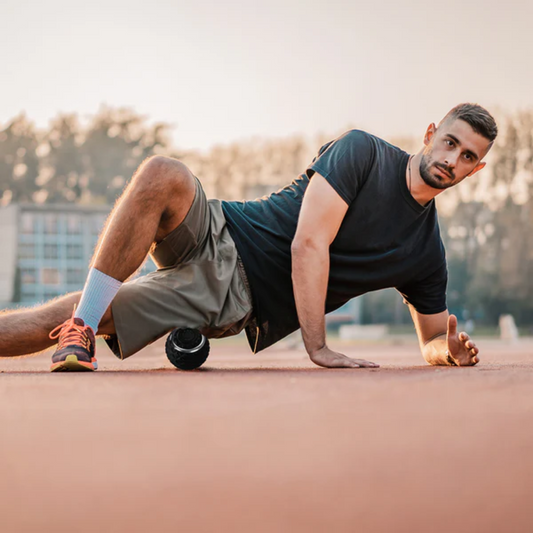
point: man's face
(453, 152)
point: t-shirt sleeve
(345, 163)
(427, 294)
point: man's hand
(461, 349)
(330, 359)
(439, 342)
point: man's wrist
(436, 336)
(314, 350)
(436, 353)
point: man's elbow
(296, 247)
(304, 245)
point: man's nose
(451, 160)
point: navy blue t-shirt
(386, 239)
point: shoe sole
(71, 364)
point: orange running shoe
(76, 346)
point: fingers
(329, 359)
(452, 325)
(468, 353)
(474, 360)
(365, 364)
(473, 350)
(358, 363)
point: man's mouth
(443, 172)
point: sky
(219, 72)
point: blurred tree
(115, 144)
(62, 169)
(19, 163)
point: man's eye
(448, 142)
(468, 157)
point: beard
(436, 181)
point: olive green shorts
(200, 283)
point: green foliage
(115, 144)
(19, 163)
(71, 162)
(63, 166)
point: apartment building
(46, 250)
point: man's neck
(418, 188)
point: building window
(73, 225)
(48, 295)
(26, 250)
(27, 223)
(75, 276)
(50, 224)
(51, 251)
(74, 251)
(50, 276)
(28, 275)
(28, 297)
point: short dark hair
(478, 117)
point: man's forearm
(435, 351)
(310, 270)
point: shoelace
(71, 333)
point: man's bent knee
(165, 175)
(171, 186)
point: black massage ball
(187, 348)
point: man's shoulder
(364, 138)
(355, 135)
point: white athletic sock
(98, 293)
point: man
(362, 217)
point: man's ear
(429, 133)
(477, 168)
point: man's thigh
(182, 243)
(204, 290)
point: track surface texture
(269, 443)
